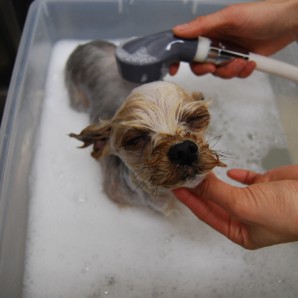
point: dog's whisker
(150, 168)
(215, 139)
(156, 193)
(227, 155)
(143, 184)
(138, 173)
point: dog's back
(93, 82)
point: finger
(219, 192)
(173, 68)
(231, 69)
(249, 177)
(207, 211)
(202, 25)
(202, 68)
(243, 176)
(289, 172)
(247, 70)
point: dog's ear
(98, 135)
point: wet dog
(149, 139)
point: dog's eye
(136, 140)
(198, 121)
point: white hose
(275, 67)
(205, 52)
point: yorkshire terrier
(149, 138)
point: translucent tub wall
(52, 21)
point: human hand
(261, 214)
(262, 27)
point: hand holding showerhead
(147, 59)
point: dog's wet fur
(149, 139)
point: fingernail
(237, 174)
(181, 27)
(252, 64)
(238, 65)
(212, 68)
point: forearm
(294, 4)
(281, 23)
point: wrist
(292, 12)
(287, 20)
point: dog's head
(158, 133)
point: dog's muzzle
(184, 154)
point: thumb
(201, 26)
(212, 189)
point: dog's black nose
(184, 154)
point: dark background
(12, 18)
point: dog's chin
(191, 183)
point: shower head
(147, 59)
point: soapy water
(82, 245)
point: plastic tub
(51, 21)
